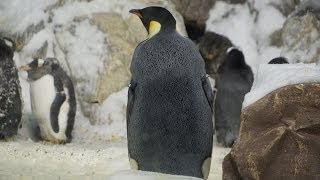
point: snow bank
(17, 15)
(270, 77)
(248, 30)
(111, 124)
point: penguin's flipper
(55, 110)
(207, 90)
(56, 105)
(131, 97)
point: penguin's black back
(234, 80)
(61, 80)
(170, 120)
(10, 93)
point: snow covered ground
(99, 150)
(249, 33)
(25, 159)
(280, 76)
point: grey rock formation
(195, 14)
(21, 39)
(311, 6)
(286, 7)
(106, 69)
(301, 38)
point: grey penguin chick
(233, 82)
(10, 91)
(169, 110)
(53, 99)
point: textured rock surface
(311, 6)
(301, 38)
(103, 39)
(195, 14)
(286, 7)
(213, 48)
(279, 136)
(122, 36)
(300, 35)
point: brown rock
(279, 137)
(195, 15)
(194, 10)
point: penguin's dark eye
(34, 64)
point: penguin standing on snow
(233, 82)
(53, 99)
(169, 112)
(10, 91)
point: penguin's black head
(234, 58)
(155, 19)
(40, 67)
(279, 60)
(7, 47)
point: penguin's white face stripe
(154, 28)
(40, 62)
(232, 48)
(8, 43)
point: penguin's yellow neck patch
(154, 28)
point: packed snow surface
(270, 77)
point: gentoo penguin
(10, 91)
(169, 112)
(234, 80)
(279, 60)
(53, 99)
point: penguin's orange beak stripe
(25, 68)
(136, 12)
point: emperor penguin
(10, 91)
(53, 100)
(234, 80)
(169, 110)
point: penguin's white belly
(43, 94)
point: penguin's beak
(25, 68)
(136, 12)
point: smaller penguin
(53, 99)
(279, 60)
(10, 91)
(213, 48)
(234, 80)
